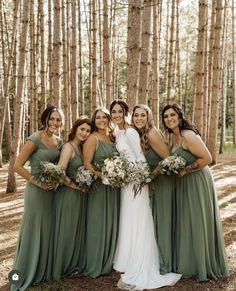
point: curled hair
(183, 124)
(47, 114)
(81, 120)
(110, 128)
(149, 125)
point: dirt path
(11, 206)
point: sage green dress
(34, 250)
(69, 225)
(102, 220)
(199, 250)
(161, 191)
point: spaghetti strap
(76, 152)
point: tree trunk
(234, 70)
(32, 81)
(177, 52)
(11, 182)
(81, 78)
(73, 65)
(5, 117)
(171, 54)
(50, 50)
(145, 44)
(106, 54)
(210, 64)
(133, 51)
(155, 66)
(42, 58)
(223, 81)
(215, 82)
(94, 55)
(67, 104)
(56, 54)
(198, 114)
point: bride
(136, 253)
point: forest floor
(11, 206)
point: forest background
(80, 54)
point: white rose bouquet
(51, 174)
(172, 165)
(84, 178)
(115, 171)
(140, 175)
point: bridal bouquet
(51, 174)
(84, 177)
(115, 170)
(140, 175)
(172, 165)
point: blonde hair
(149, 125)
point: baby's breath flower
(51, 173)
(84, 177)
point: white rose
(105, 181)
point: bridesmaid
(199, 250)
(160, 189)
(34, 255)
(103, 201)
(70, 206)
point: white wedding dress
(137, 254)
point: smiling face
(140, 118)
(54, 122)
(171, 119)
(101, 120)
(117, 114)
(83, 131)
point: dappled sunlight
(11, 208)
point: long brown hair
(183, 124)
(110, 128)
(148, 127)
(81, 120)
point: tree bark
(133, 50)
(11, 182)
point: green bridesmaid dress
(69, 225)
(34, 250)
(102, 220)
(161, 191)
(199, 250)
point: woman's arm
(157, 142)
(27, 150)
(134, 143)
(65, 157)
(89, 149)
(193, 142)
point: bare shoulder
(67, 147)
(155, 132)
(191, 139)
(188, 134)
(92, 139)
